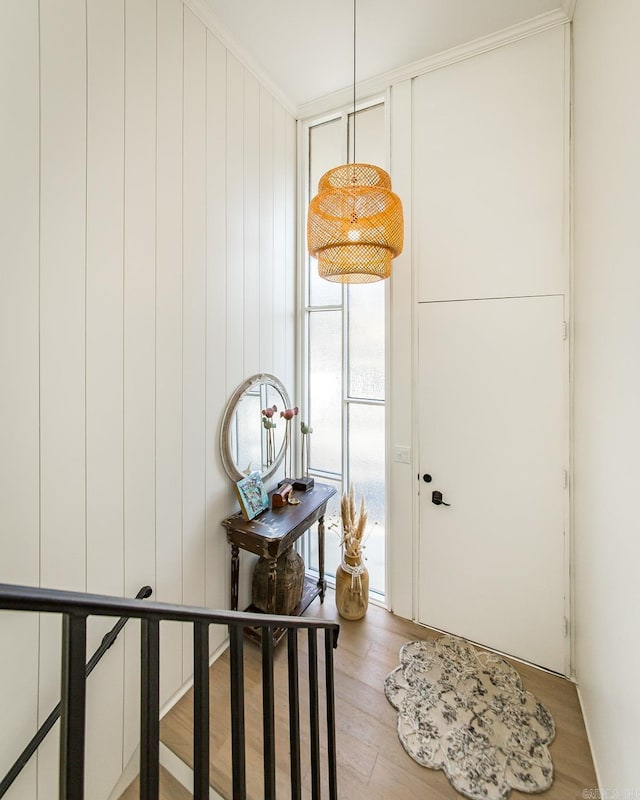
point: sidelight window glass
(344, 361)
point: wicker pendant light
(355, 225)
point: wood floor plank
(170, 788)
(372, 763)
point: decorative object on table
(269, 425)
(355, 223)
(466, 712)
(252, 495)
(280, 497)
(305, 482)
(288, 414)
(352, 577)
(289, 578)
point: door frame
(408, 162)
(566, 493)
(568, 582)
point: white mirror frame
(225, 429)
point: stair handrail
(14, 597)
(76, 607)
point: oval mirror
(246, 444)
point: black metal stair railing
(107, 641)
(77, 607)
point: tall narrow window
(344, 368)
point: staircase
(219, 728)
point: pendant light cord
(354, 81)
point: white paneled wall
(168, 399)
(104, 363)
(194, 324)
(19, 358)
(607, 385)
(499, 194)
(147, 241)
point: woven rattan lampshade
(355, 224)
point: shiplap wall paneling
(105, 237)
(194, 323)
(139, 330)
(266, 232)
(19, 697)
(251, 236)
(218, 489)
(19, 405)
(104, 377)
(62, 336)
(290, 261)
(512, 99)
(235, 223)
(169, 335)
(62, 292)
(128, 311)
(19, 275)
(236, 371)
(279, 245)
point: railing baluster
(23, 759)
(294, 714)
(75, 607)
(314, 732)
(268, 722)
(201, 711)
(149, 709)
(329, 644)
(236, 667)
(73, 702)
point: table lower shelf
(310, 591)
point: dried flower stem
(353, 525)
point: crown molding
(379, 83)
(204, 13)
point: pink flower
(269, 412)
(289, 413)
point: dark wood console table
(269, 535)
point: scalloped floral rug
(465, 711)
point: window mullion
(345, 388)
(345, 338)
(333, 341)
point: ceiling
(305, 47)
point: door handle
(436, 499)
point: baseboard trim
(181, 772)
(129, 774)
(589, 737)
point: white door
(492, 428)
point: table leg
(322, 584)
(235, 575)
(271, 586)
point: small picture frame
(252, 495)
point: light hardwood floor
(372, 764)
(170, 789)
